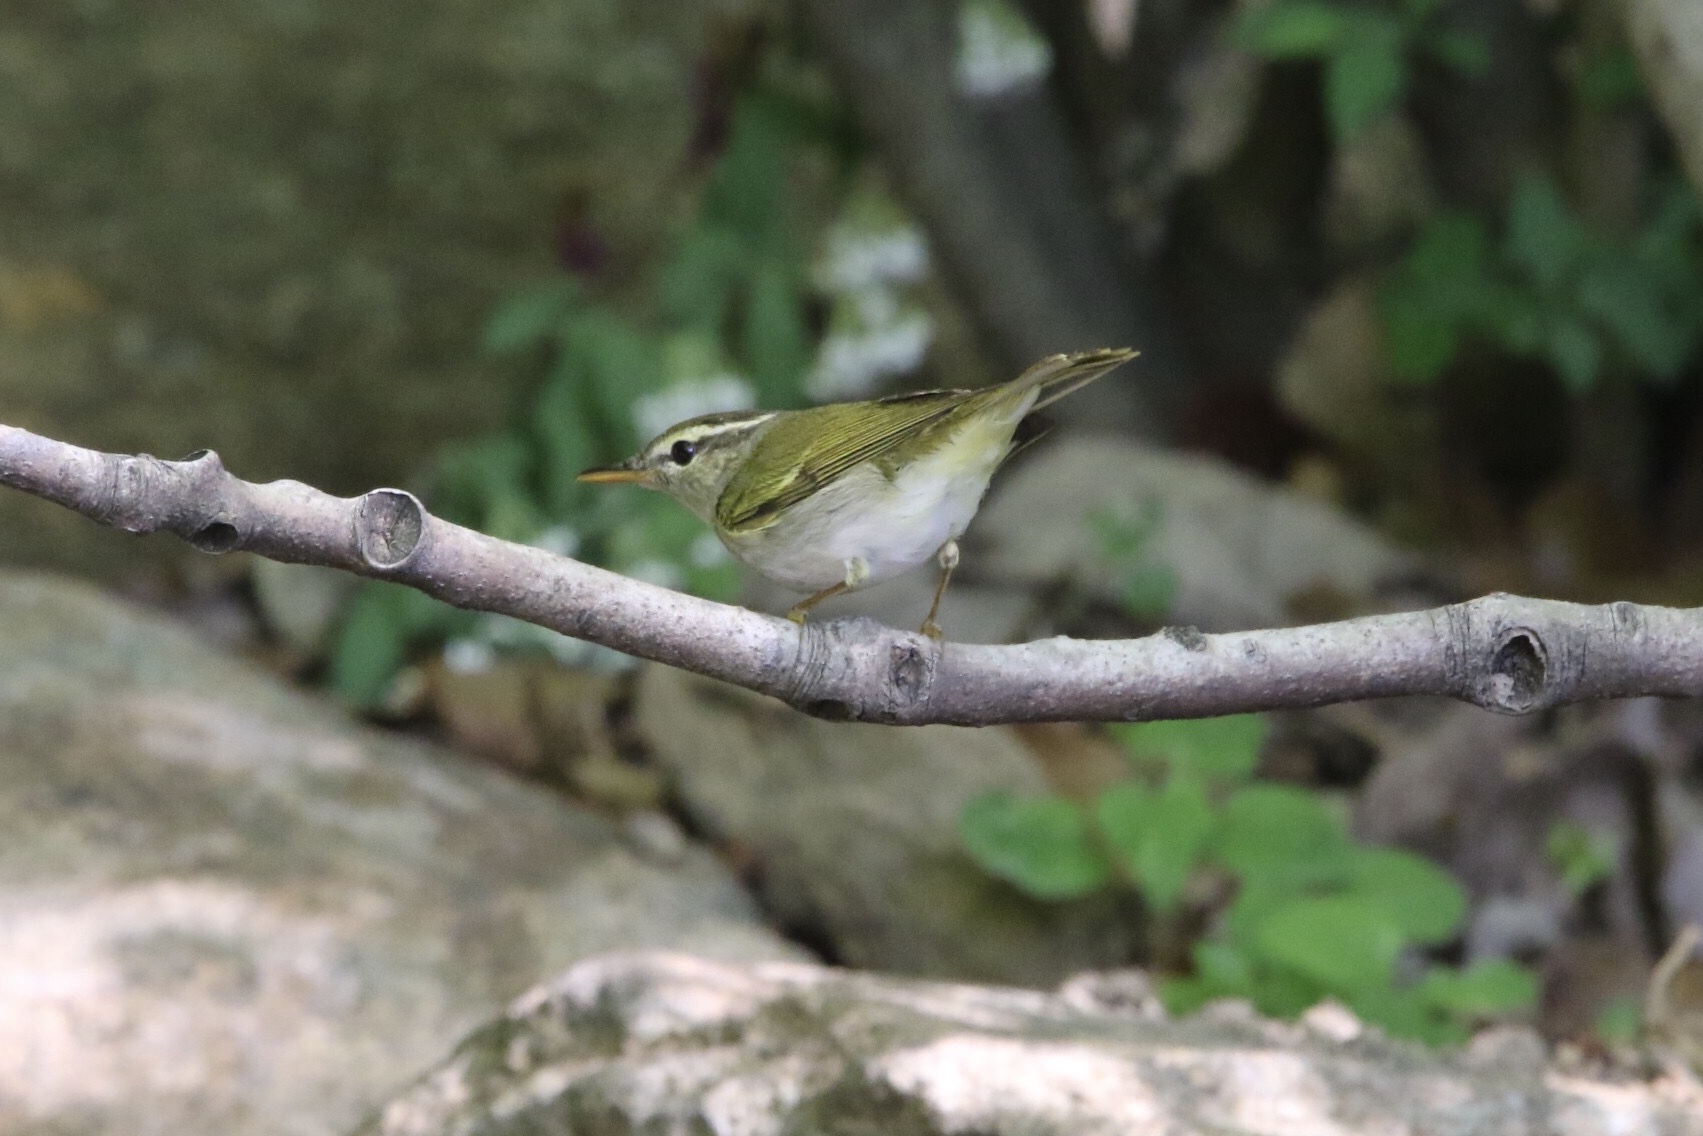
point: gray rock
(1240, 549)
(224, 907)
(853, 833)
(661, 1043)
(277, 229)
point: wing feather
(811, 448)
(807, 449)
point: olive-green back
(807, 449)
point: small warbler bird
(834, 498)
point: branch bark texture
(1505, 653)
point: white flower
(560, 539)
(997, 49)
(875, 336)
(578, 653)
(654, 413)
(494, 634)
(662, 573)
(708, 552)
(468, 656)
(856, 258)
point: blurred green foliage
(1367, 51)
(1126, 538)
(1583, 857)
(1621, 1022)
(724, 324)
(1549, 286)
(1315, 914)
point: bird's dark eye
(683, 452)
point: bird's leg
(857, 575)
(948, 558)
(804, 605)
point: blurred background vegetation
(1418, 286)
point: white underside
(863, 528)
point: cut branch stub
(1519, 671)
(218, 533)
(389, 525)
(216, 537)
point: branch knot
(389, 525)
(1518, 679)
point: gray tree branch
(1505, 653)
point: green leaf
(1365, 76)
(1127, 538)
(721, 581)
(1340, 942)
(1422, 341)
(746, 194)
(486, 484)
(1282, 992)
(1158, 834)
(370, 649)
(1466, 52)
(1183, 996)
(776, 342)
(1293, 29)
(1038, 843)
(1583, 858)
(1224, 966)
(696, 287)
(1424, 901)
(617, 364)
(1281, 837)
(1449, 262)
(1441, 290)
(1544, 239)
(1666, 239)
(566, 445)
(1621, 1021)
(1226, 747)
(801, 118)
(1494, 986)
(1404, 1012)
(1257, 897)
(1624, 297)
(1574, 351)
(381, 623)
(655, 529)
(1127, 533)
(530, 317)
(1515, 317)
(1150, 590)
(1612, 80)
(1220, 971)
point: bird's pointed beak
(627, 473)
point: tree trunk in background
(1668, 38)
(1002, 195)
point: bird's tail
(1059, 375)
